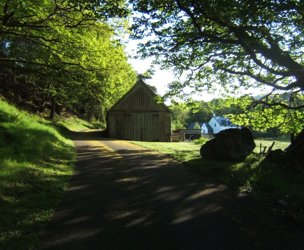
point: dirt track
(123, 196)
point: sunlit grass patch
(35, 165)
(73, 123)
(262, 143)
(182, 151)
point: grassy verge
(35, 164)
(263, 180)
(75, 124)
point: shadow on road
(132, 199)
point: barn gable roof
(139, 98)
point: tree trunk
(90, 113)
(292, 138)
(53, 108)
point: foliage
(222, 107)
(261, 118)
(231, 44)
(58, 55)
(244, 111)
(35, 165)
(179, 115)
(184, 113)
(196, 125)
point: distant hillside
(284, 96)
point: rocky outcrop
(229, 145)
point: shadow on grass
(29, 193)
(282, 189)
(27, 201)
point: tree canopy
(63, 54)
(231, 43)
(184, 113)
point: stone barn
(139, 116)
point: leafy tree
(259, 118)
(200, 111)
(184, 113)
(230, 43)
(196, 125)
(223, 107)
(179, 115)
(63, 55)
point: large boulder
(292, 157)
(295, 151)
(229, 145)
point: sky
(161, 78)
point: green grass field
(36, 163)
(278, 144)
(185, 151)
(262, 180)
(182, 151)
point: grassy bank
(75, 124)
(262, 180)
(35, 164)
